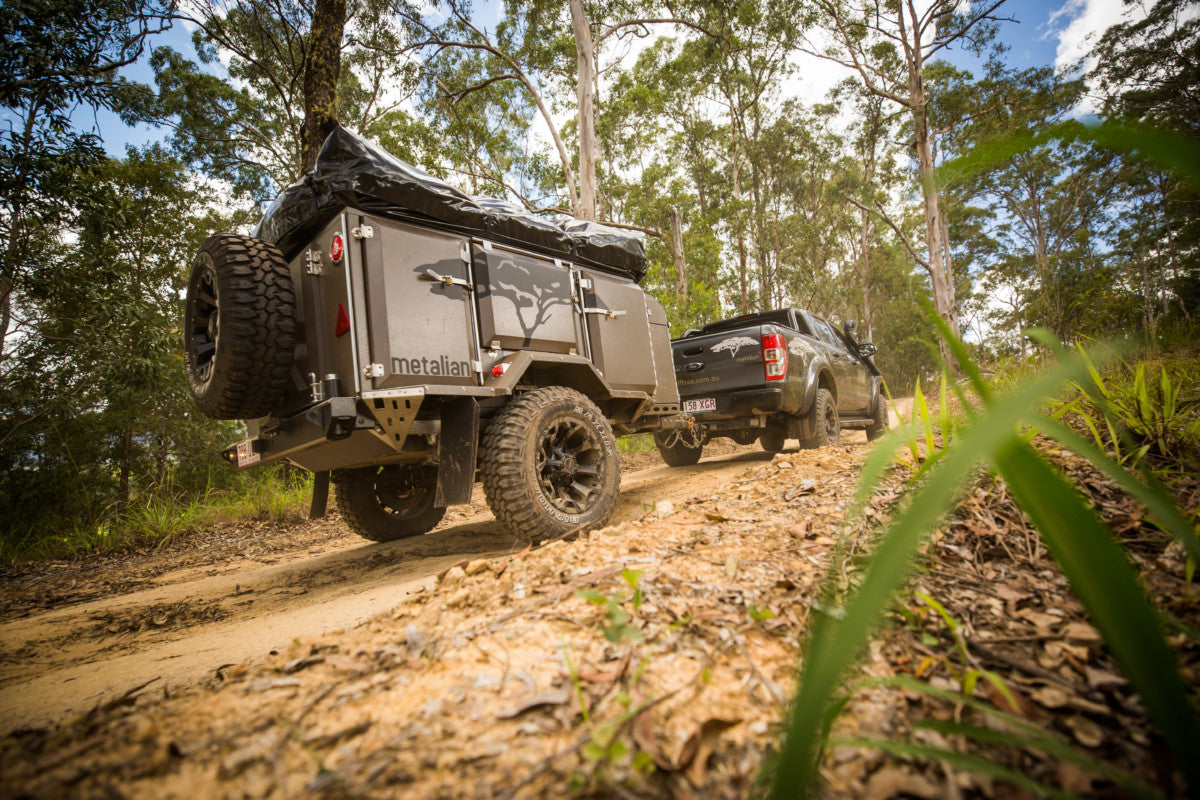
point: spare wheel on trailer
(239, 327)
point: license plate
(700, 404)
(246, 455)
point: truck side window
(826, 334)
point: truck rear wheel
(823, 416)
(239, 327)
(549, 464)
(679, 453)
(384, 504)
(772, 439)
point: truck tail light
(775, 356)
(336, 248)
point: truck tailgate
(711, 369)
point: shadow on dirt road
(194, 621)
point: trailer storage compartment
(418, 304)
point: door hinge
(363, 232)
(313, 264)
(373, 371)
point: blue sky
(1044, 33)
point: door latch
(605, 312)
(447, 280)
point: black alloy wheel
(567, 466)
(388, 503)
(204, 323)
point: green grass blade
(963, 761)
(921, 411)
(1048, 745)
(969, 368)
(1152, 494)
(1106, 585)
(834, 644)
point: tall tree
(1148, 71)
(889, 44)
(97, 404)
(533, 46)
(1047, 204)
(294, 71)
(321, 75)
(55, 57)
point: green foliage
(618, 627)
(157, 520)
(99, 421)
(997, 435)
(1133, 413)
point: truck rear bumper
(743, 403)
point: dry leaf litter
(649, 659)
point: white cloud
(1078, 25)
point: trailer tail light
(336, 248)
(499, 370)
(343, 321)
(775, 356)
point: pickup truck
(772, 376)
(402, 339)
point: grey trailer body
(412, 340)
(434, 316)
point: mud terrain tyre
(239, 327)
(549, 465)
(879, 420)
(384, 504)
(772, 439)
(679, 454)
(823, 416)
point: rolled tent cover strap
(351, 171)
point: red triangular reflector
(343, 323)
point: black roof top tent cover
(351, 171)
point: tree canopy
(677, 119)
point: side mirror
(867, 350)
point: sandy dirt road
(70, 643)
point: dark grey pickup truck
(772, 376)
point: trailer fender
(550, 369)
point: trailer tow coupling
(680, 428)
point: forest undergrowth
(163, 516)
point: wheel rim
(569, 466)
(206, 325)
(398, 494)
(831, 422)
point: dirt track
(115, 630)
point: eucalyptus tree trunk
(321, 71)
(681, 282)
(942, 282)
(585, 87)
(740, 222)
